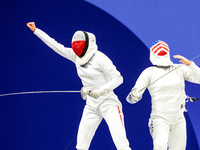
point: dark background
(50, 121)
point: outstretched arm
(57, 47)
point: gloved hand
(130, 99)
(96, 93)
(134, 96)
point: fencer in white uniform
(100, 77)
(167, 90)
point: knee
(160, 145)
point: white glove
(134, 96)
(96, 93)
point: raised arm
(191, 71)
(53, 44)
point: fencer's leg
(159, 130)
(87, 128)
(178, 136)
(115, 121)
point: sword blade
(166, 74)
(38, 92)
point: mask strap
(86, 44)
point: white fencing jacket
(98, 73)
(168, 93)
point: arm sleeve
(57, 47)
(140, 86)
(192, 73)
(143, 81)
(114, 76)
